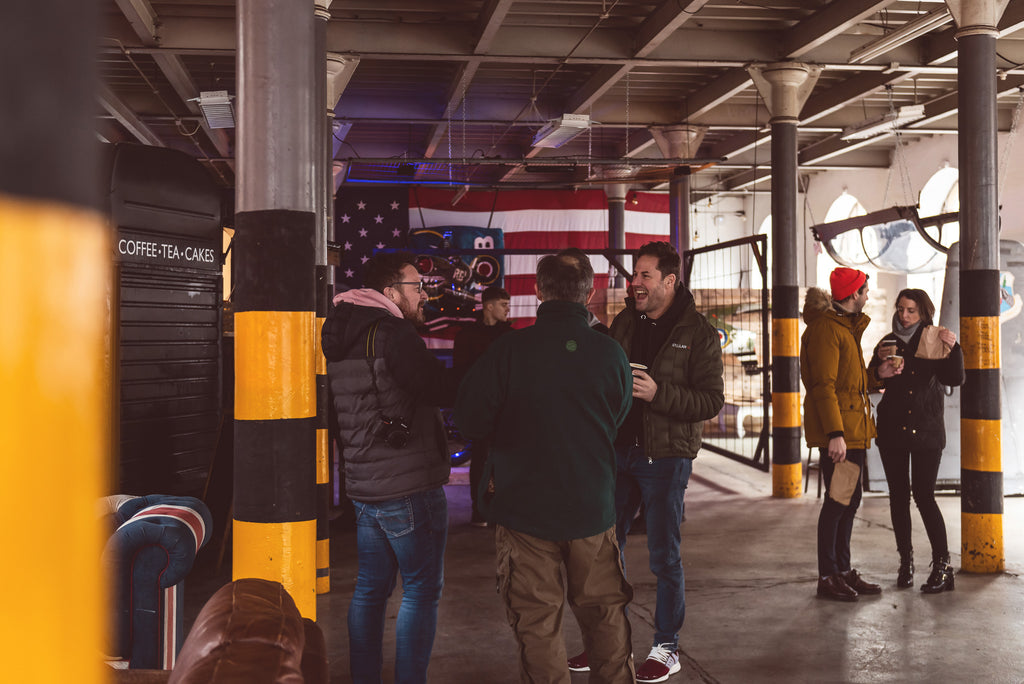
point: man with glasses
(387, 387)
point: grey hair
(566, 276)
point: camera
(394, 431)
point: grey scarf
(904, 333)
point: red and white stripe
(192, 520)
(546, 221)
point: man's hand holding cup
(644, 386)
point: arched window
(940, 195)
(847, 245)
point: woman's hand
(889, 369)
(886, 350)
(947, 336)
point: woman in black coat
(912, 433)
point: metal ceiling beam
(126, 117)
(491, 18)
(822, 26)
(143, 20)
(662, 23)
(720, 90)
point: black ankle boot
(905, 576)
(941, 578)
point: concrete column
(785, 88)
(323, 194)
(679, 142)
(617, 225)
(274, 532)
(55, 393)
(679, 215)
(981, 476)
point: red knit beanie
(845, 281)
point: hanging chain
(626, 153)
(901, 162)
(1003, 162)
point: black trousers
(914, 471)
(835, 522)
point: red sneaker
(662, 661)
(579, 663)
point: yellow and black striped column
(323, 445)
(275, 300)
(274, 534)
(55, 326)
(981, 477)
(324, 290)
(785, 87)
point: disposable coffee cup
(897, 361)
(638, 366)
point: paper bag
(931, 347)
(844, 482)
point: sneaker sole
(671, 671)
(579, 669)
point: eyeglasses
(417, 283)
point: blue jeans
(406, 535)
(660, 486)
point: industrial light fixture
(901, 36)
(888, 122)
(216, 107)
(557, 132)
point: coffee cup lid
(638, 366)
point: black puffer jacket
(911, 411)
(410, 384)
(689, 371)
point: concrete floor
(752, 615)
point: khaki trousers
(530, 581)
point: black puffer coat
(410, 384)
(910, 413)
(689, 371)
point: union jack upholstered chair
(153, 545)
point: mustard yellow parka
(833, 373)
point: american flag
(546, 221)
(367, 219)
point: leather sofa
(248, 632)
(151, 549)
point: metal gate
(729, 282)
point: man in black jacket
(387, 388)
(470, 344)
(678, 386)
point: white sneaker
(662, 661)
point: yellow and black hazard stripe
(981, 478)
(323, 445)
(787, 474)
(275, 401)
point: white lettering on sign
(483, 242)
(167, 251)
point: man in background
(470, 344)
(550, 399)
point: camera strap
(371, 339)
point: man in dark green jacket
(550, 398)
(661, 330)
